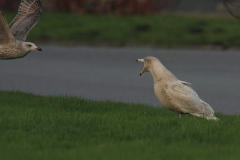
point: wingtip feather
(213, 118)
(1, 10)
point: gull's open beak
(140, 60)
(142, 72)
(40, 49)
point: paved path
(113, 74)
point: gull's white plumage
(13, 37)
(174, 94)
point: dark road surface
(113, 74)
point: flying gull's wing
(5, 34)
(29, 13)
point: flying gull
(13, 37)
(174, 94)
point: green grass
(37, 127)
(156, 30)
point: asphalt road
(113, 74)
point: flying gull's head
(28, 46)
(148, 63)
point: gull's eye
(29, 45)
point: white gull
(174, 94)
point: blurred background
(124, 6)
(155, 23)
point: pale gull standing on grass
(174, 94)
(13, 37)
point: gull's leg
(180, 115)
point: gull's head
(28, 46)
(148, 63)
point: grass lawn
(155, 30)
(37, 127)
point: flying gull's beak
(40, 49)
